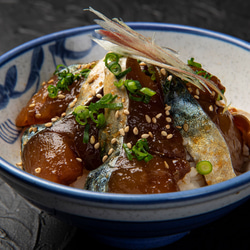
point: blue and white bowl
(131, 221)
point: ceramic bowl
(129, 221)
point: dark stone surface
(24, 227)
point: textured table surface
(23, 226)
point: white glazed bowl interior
(25, 67)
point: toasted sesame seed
(213, 93)
(97, 145)
(38, 170)
(135, 131)
(190, 90)
(170, 77)
(73, 103)
(166, 165)
(169, 136)
(126, 112)
(154, 120)
(158, 115)
(150, 134)
(163, 71)
(113, 141)
(122, 132)
(19, 164)
(167, 112)
(144, 136)
(38, 115)
(32, 105)
(164, 133)
(148, 119)
(54, 119)
(110, 151)
(99, 96)
(117, 114)
(143, 64)
(185, 127)
(123, 100)
(126, 129)
(179, 127)
(43, 83)
(167, 126)
(35, 129)
(196, 97)
(92, 140)
(197, 91)
(61, 96)
(50, 81)
(129, 145)
(104, 158)
(168, 119)
(48, 124)
(167, 107)
(211, 108)
(63, 114)
(79, 159)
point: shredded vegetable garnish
(138, 151)
(83, 113)
(65, 78)
(112, 63)
(204, 167)
(136, 92)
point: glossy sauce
(154, 176)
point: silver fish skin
(203, 140)
(98, 179)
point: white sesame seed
(168, 119)
(38, 115)
(126, 129)
(61, 96)
(38, 170)
(167, 126)
(163, 71)
(113, 141)
(148, 119)
(54, 119)
(154, 120)
(196, 97)
(110, 151)
(48, 124)
(129, 145)
(197, 91)
(169, 136)
(126, 112)
(150, 134)
(211, 108)
(32, 105)
(167, 112)
(97, 145)
(166, 165)
(117, 114)
(135, 131)
(158, 115)
(104, 158)
(170, 77)
(92, 140)
(19, 164)
(79, 159)
(144, 136)
(164, 133)
(122, 132)
(99, 96)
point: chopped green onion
(115, 68)
(191, 62)
(86, 134)
(138, 151)
(85, 72)
(147, 91)
(204, 167)
(219, 96)
(52, 91)
(111, 58)
(132, 85)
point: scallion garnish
(112, 63)
(136, 91)
(84, 113)
(138, 151)
(65, 78)
(204, 167)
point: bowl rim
(129, 199)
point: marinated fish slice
(111, 136)
(202, 138)
(90, 87)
